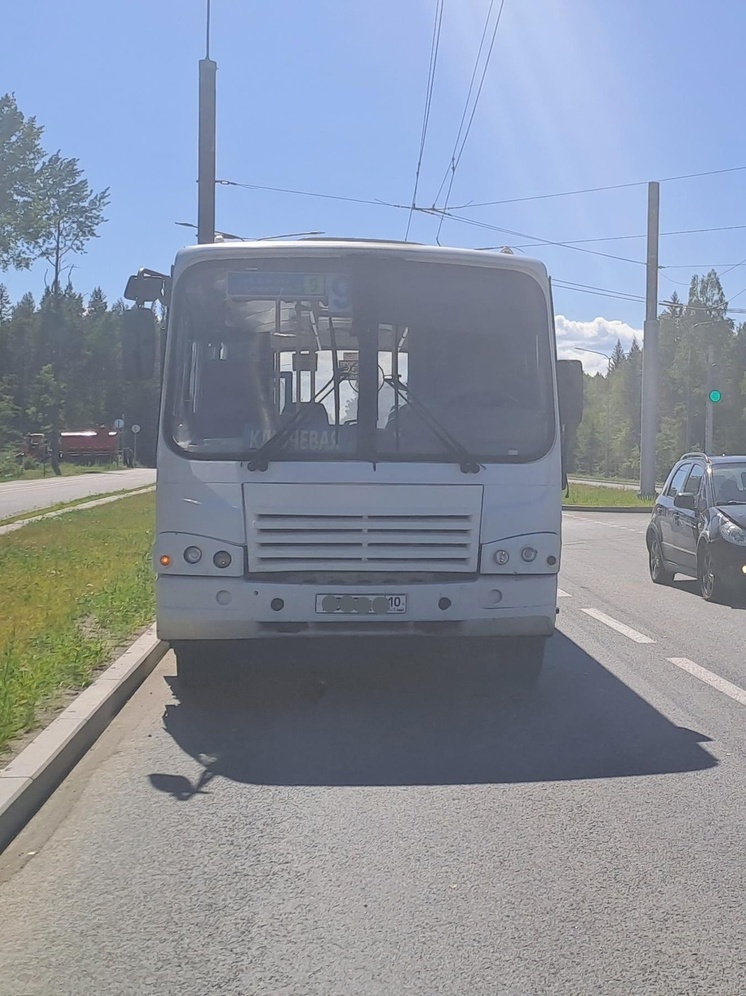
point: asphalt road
(356, 822)
(17, 497)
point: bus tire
(195, 665)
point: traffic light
(714, 397)
(714, 393)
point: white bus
(356, 438)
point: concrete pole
(206, 151)
(206, 167)
(709, 407)
(649, 421)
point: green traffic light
(715, 396)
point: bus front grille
(386, 529)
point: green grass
(73, 589)
(10, 471)
(587, 494)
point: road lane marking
(726, 687)
(563, 594)
(620, 627)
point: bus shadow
(371, 715)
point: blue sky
(327, 96)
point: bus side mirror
(148, 286)
(570, 392)
(138, 343)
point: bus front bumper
(190, 608)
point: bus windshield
(353, 358)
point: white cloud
(600, 334)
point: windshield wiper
(467, 462)
(732, 501)
(268, 450)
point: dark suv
(698, 526)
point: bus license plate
(361, 605)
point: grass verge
(73, 589)
(588, 494)
(11, 471)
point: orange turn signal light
(165, 560)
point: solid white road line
(726, 687)
(620, 627)
(563, 594)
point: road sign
(135, 428)
(119, 423)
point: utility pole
(709, 406)
(649, 422)
(206, 156)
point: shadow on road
(736, 599)
(352, 715)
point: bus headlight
(529, 554)
(192, 555)
(222, 559)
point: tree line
(60, 359)
(608, 440)
(61, 365)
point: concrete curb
(28, 781)
(611, 508)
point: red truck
(90, 446)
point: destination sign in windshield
(263, 285)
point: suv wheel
(711, 584)
(658, 572)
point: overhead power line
(434, 48)
(311, 193)
(593, 190)
(615, 295)
(536, 241)
(622, 238)
(524, 235)
(733, 267)
(462, 135)
(599, 291)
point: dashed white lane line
(620, 627)
(726, 687)
(563, 594)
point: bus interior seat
(315, 413)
